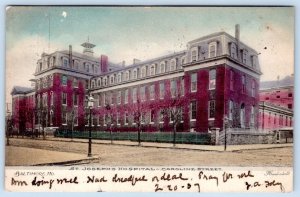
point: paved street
(125, 153)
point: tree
(109, 120)
(173, 110)
(138, 115)
(71, 117)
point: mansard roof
(285, 82)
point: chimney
(237, 32)
(70, 56)
(103, 63)
(237, 38)
(135, 61)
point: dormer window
(51, 64)
(40, 66)
(134, 76)
(162, 67)
(152, 70)
(194, 54)
(119, 78)
(65, 62)
(254, 61)
(233, 50)
(99, 82)
(212, 49)
(126, 75)
(244, 56)
(105, 81)
(173, 65)
(76, 64)
(112, 79)
(143, 71)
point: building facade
(276, 106)
(216, 77)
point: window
(75, 83)
(194, 55)
(162, 67)
(253, 89)
(194, 82)
(64, 116)
(290, 95)
(111, 98)
(142, 93)
(65, 62)
(118, 118)
(126, 96)
(243, 84)
(64, 98)
(152, 116)
(161, 116)
(152, 92)
(211, 109)
(127, 77)
(119, 78)
(51, 98)
(290, 106)
(64, 80)
(230, 110)
(173, 65)
(105, 81)
(44, 99)
(126, 121)
(193, 111)
(134, 74)
(99, 82)
(76, 64)
(40, 66)
(75, 99)
(152, 70)
(161, 90)
(212, 50)
(231, 80)
(119, 97)
(212, 79)
(253, 61)
(51, 61)
(143, 72)
(112, 79)
(173, 88)
(252, 116)
(182, 86)
(134, 95)
(233, 51)
(244, 56)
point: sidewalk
(180, 146)
(16, 156)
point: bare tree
(174, 111)
(138, 115)
(71, 116)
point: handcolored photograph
(149, 86)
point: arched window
(126, 75)
(105, 81)
(119, 78)
(143, 71)
(194, 54)
(99, 82)
(134, 76)
(93, 84)
(233, 50)
(173, 65)
(112, 79)
(212, 49)
(152, 70)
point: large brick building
(216, 76)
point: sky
(125, 33)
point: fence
(167, 137)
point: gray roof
(287, 81)
(21, 90)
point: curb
(66, 162)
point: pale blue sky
(124, 33)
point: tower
(88, 48)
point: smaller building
(273, 117)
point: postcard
(149, 99)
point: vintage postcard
(151, 99)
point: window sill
(192, 120)
(211, 118)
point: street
(128, 155)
